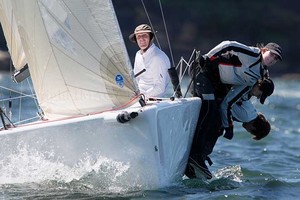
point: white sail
(76, 55)
(13, 40)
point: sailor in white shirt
(153, 61)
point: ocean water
(243, 168)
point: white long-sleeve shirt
(153, 82)
(244, 112)
(239, 64)
(237, 93)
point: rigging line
(2, 97)
(154, 32)
(26, 120)
(33, 94)
(167, 34)
(13, 98)
(130, 102)
(30, 84)
(23, 94)
(11, 46)
(20, 104)
(11, 50)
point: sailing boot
(190, 171)
(200, 164)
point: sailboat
(90, 106)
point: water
(243, 168)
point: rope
(19, 97)
(165, 27)
(167, 35)
(10, 64)
(20, 103)
(33, 94)
(122, 106)
(11, 39)
(21, 93)
(95, 113)
(26, 120)
(154, 32)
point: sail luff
(76, 54)
(13, 39)
(128, 65)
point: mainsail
(75, 52)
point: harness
(211, 71)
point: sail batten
(76, 55)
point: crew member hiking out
(228, 64)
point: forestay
(76, 54)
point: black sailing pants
(209, 122)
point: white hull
(154, 146)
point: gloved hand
(228, 133)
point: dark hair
(260, 45)
(262, 127)
(272, 47)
